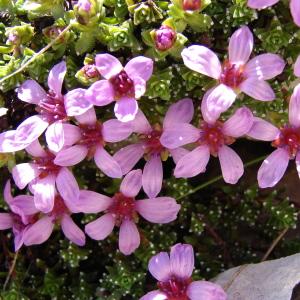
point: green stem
(215, 179)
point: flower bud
(164, 38)
(85, 9)
(191, 5)
(88, 74)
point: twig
(274, 243)
(36, 55)
(11, 269)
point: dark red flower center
(213, 136)
(289, 139)
(232, 74)
(59, 208)
(151, 141)
(123, 208)
(91, 137)
(123, 84)
(52, 109)
(175, 288)
(46, 165)
(191, 4)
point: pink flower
(52, 112)
(42, 175)
(294, 7)
(236, 74)
(164, 37)
(90, 137)
(150, 147)
(212, 138)
(123, 210)
(297, 67)
(123, 85)
(285, 139)
(174, 277)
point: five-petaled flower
(174, 277)
(236, 74)
(123, 85)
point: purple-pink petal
(56, 77)
(152, 176)
(273, 168)
(107, 65)
(259, 4)
(263, 130)
(71, 134)
(239, 123)
(100, 93)
(101, 228)
(24, 173)
(132, 183)
(76, 103)
(23, 205)
(116, 131)
(7, 193)
(72, 231)
(158, 210)
(159, 266)
(231, 165)
(294, 107)
(193, 163)
(71, 156)
(129, 237)
(155, 295)
(139, 66)
(205, 290)
(92, 202)
(87, 118)
(140, 123)
(297, 67)
(257, 89)
(6, 221)
(126, 109)
(202, 60)
(139, 87)
(55, 136)
(182, 260)
(35, 149)
(179, 112)
(178, 153)
(297, 161)
(295, 11)
(240, 46)
(31, 92)
(8, 143)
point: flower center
(212, 135)
(91, 137)
(232, 75)
(123, 85)
(52, 109)
(59, 207)
(191, 4)
(151, 141)
(289, 139)
(123, 208)
(175, 288)
(46, 165)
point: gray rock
(270, 280)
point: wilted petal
(8, 143)
(100, 93)
(231, 165)
(44, 193)
(67, 186)
(55, 136)
(76, 103)
(39, 232)
(158, 210)
(159, 266)
(24, 173)
(155, 295)
(294, 107)
(239, 123)
(30, 129)
(126, 109)
(35, 149)
(88, 118)
(129, 237)
(297, 67)
(182, 260)
(107, 65)
(107, 164)
(273, 168)
(71, 156)
(72, 231)
(179, 135)
(6, 221)
(295, 11)
(240, 46)
(31, 92)
(56, 77)
(264, 66)
(216, 101)
(116, 131)
(139, 66)
(140, 123)
(152, 176)
(128, 156)
(202, 60)
(205, 290)
(192, 163)
(132, 183)
(263, 130)
(257, 89)
(101, 228)
(179, 112)
(92, 202)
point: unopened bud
(165, 38)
